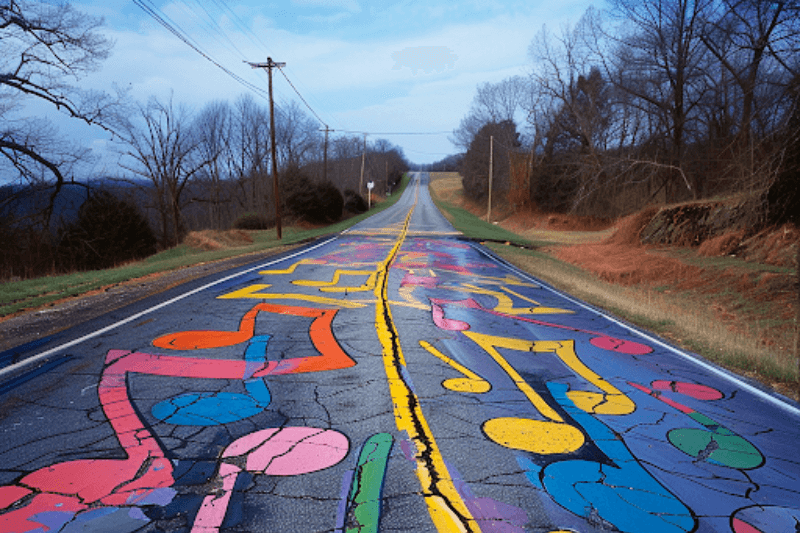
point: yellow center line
(445, 505)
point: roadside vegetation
(681, 116)
(734, 312)
(198, 247)
(175, 171)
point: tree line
(178, 169)
(647, 101)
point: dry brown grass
(217, 240)
(709, 330)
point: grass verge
(16, 296)
(477, 228)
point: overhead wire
(148, 7)
(301, 97)
(212, 24)
(398, 132)
(173, 28)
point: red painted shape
(10, 493)
(621, 346)
(740, 526)
(22, 522)
(601, 341)
(655, 394)
(693, 390)
(453, 268)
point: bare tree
(659, 61)
(346, 147)
(474, 168)
(248, 156)
(213, 130)
(493, 102)
(746, 34)
(44, 46)
(164, 150)
(297, 135)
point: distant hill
(24, 205)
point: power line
(148, 7)
(301, 97)
(180, 34)
(298, 82)
(398, 132)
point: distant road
(391, 378)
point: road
(391, 378)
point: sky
(405, 66)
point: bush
(354, 202)
(107, 232)
(319, 203)
(331, 203)
(253, 221)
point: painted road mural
(391, 378)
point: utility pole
(491, 156)
(275, 186)
(363, 158)
(325, 154)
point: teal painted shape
(364, 500)
(625, 495)
(214, 408)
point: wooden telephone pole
(491, 157)
(275, 186)
(325, 154)
(363, 158)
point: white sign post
(370, 186)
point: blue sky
(397, 66)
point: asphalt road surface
(392, 378)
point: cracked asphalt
(391, 378)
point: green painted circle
(730, 450)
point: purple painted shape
(497, 517)
(161, 496)
(341, 508)
(421, 281)
(137, 514)
(51, 520)
(491, 515)
(409, 449)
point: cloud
(348, 5)
(328, 20)
(358, 78)
(426, 58)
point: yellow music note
(471, 383)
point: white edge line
(713, 369)
(31, 360)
